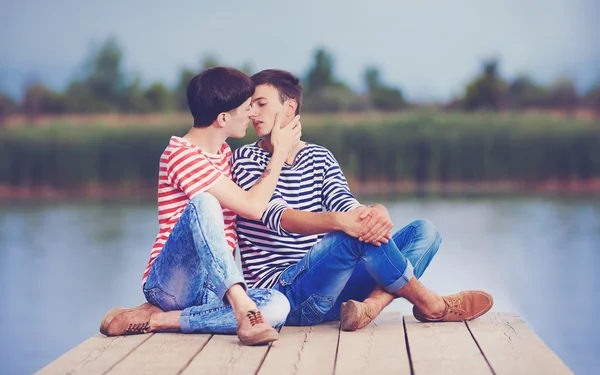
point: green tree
(104, 77)
(247, 68)
(135, 99)
(180, 94)
(523, 93)
(563, 95)
(383, 97)
(159, 97)
(209, 61)
(7, 106)
(487, 91)
(320, 75)
(592, 98)
(80, 99)
(39, 99)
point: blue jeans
(340, 267)
(195, 269)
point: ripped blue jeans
(340, 267)
(195, 269)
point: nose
(253, 112)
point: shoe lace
(255, 317)
(138, 327)
(454, 305)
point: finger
(295, 122)
(366, 226)
(381, 235)
(374, 232)
(366, 211)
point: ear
(222, 119)
(292, 106)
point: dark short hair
(287, 84)
(217, 90)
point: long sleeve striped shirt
(313, 183)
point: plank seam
(127, 355)
(410, 361)
(262, 361)
(195, 354)
(337, 349)
(266, 354)
(480, 349)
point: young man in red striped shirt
(191, 282)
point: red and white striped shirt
(185, 170)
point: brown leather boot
(118, 321)
(355, 315)
(466, 305)
(252, 329)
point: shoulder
(249, 153)
(177, 150)
(317, 151)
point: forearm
(261, 192)
(303, 222)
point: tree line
(103, 86)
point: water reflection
(64, 265)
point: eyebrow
(257, 99)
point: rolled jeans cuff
(184, 321)
(230, 281)
(402, 281)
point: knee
(273, 305)
(205, 202)
(428, 231)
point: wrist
(336, 220)
(279, 155)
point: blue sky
(428, 48)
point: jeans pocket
(310, 312)
(158, 297)
(291, 273)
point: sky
(430, 49)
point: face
(267, 104)
(237, 123)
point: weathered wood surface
(497, 343)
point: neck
(208, 139)
(268, 146)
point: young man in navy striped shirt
(342, 263)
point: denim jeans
(340, 267)
(195, 269)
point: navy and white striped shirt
(313, 183)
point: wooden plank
(225, 354)
(379, 348)
(163, 353)
(95, 355)
(303, 351)
(512, 348)
(443, 348)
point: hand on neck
(266, 145)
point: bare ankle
(165, 321)
(433, 308)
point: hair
(217, 90)
(287, 84)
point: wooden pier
(497, 343)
